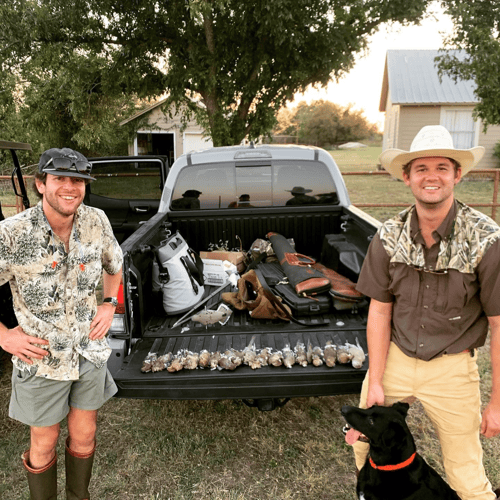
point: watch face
(112, 300)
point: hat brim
(393, 160)
(68, 173)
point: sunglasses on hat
(67, 164)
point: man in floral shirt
(53, 255)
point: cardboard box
(213, 272)
(236, 258)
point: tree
(476, 31)
(324, 123)
(243, 59)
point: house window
(461, 126)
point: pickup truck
(242, 193)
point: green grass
(221, 450)
(127, 187)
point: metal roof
(411, 77)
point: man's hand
(102, 321)
(490, 426)
(19, 344)
(375, 395)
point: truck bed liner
(243, 383)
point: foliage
(324, 123)
(496, 150)
(476, 30)
(244, 60)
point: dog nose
(345, 409)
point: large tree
(477, 32)
(243, 59)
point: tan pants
(448, 388)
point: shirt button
(421, 345)
(426, 307)
(422, 326)
(426, 286)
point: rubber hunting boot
(42, 482)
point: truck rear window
(278, 184)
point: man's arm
(104, 317)
(378, 334)
(490, 425)
(16, 342)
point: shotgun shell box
(213, 272)
(236, 258)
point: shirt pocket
(454, 290)
(404, 283)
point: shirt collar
(443, 231)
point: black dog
(394, 470)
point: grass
(222, 450)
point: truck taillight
(120, 308)
(118, 323)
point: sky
(363, 85)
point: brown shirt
(434, 313)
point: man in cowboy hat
(54, 255)
(189, 201)
(300, 197)
(433, 275)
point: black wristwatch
(112, 300)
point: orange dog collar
(402, 465)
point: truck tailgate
(243, 382)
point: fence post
(495, 195)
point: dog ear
(394, 435)
(402, 408)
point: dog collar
(402, 465)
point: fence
(6, 179)
(485, 172)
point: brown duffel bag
(253, 297)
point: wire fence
(485, 173)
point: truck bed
(243, 383)
(150, 330)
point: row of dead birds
(330, 355)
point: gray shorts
(41, 402)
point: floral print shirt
(54, 290)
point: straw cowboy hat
(432, 140)
(298, 190)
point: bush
(496, 151)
